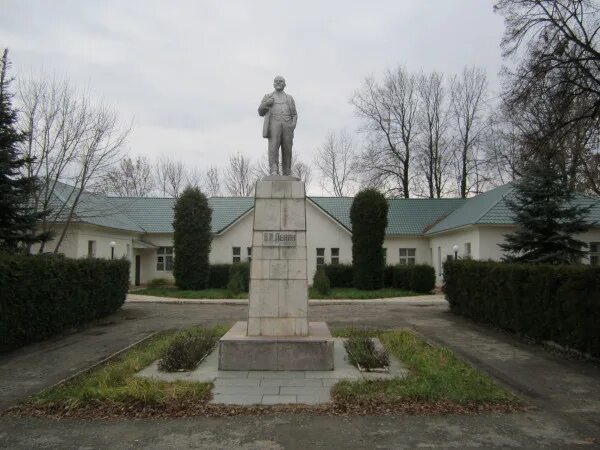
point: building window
(164, 259)
(249, 250)
(384, 256)
(595, 253)
(237, 254)
(320, 256)
(467, 249)
(335, 256)
(91, 249)
(407, 256)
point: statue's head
(279, 83)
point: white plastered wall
(393, 244)
(322, 231)
(148, 257)
(442, 244)
(239, 234)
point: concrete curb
(420, 300)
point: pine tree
(17, 219)
(368, 215)
(192, 240)
(548, 218)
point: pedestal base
(238, 351)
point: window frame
(164, 259)
(236, 257)
(335, 259)
(407, 259)
(320, 256)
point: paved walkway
(274, 387)
(563, 394)
(423, 300)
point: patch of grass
(357, 294)
(115, 380)
(435, 375)
(334, 293)
(186, 352)
(362, 351)
(181, 293)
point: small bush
(159, 282)
(340, 275)
(238, 278)
(388, 276)
(218, 276)
(559, 303)
(416, 278)
(361, 350)
(321, 282)
(186, 352)
(422, 278)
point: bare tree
(560, 41)
(389, 113)
(212, 182)
(239, 176)
(170, 176)
(468, 93)
(336, 162)
(130, 178)
(433, 124)
(503, 149)
(71, 139)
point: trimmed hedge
(556, 303)
(43, 295)
(416, 277)
(218, 276)
(340, 275)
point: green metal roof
(406, 216)
(155, 215)
(91, 208)
(490, 208)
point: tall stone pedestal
(277, 335)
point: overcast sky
(190, 74)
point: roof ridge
(496, 202)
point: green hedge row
(544, 302)
(417, 278)
(220, 274)
(44, 295)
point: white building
(419, 230)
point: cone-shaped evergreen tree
(548, 218)
(17, 218)
(192, 240)
(368, 215)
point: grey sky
(191, 73)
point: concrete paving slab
(237, 399)
(278, 399)
(308, 384)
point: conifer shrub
(41, 296)
(239, 278)
(559, 303)
(192, 240)
(368, 215)
(321, 282)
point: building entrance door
(138, 261)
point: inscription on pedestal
(279, 239)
